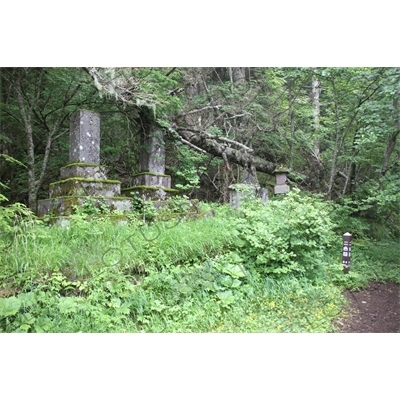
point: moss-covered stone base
(78, 186)
(65, 205)
(151, 193)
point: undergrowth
(262, 268)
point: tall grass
(95, 275)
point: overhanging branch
(212, 145)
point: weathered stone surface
(281, 178)
(152, 153)
(84, 137)
(152, 193)
(78, 187)
(248, 179)
(163, 181)
(64, 205)
(234, 198)
(280, 189)
(44, 207)
(82, 171)
(238, 192)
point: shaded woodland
(336, 129)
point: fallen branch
(192, 145)
(212, 145)
(217, 107)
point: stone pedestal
(77, 186)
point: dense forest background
(336, 129)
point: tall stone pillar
(84, 138)
(152, 152)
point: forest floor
(375, 309)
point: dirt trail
(375, 309)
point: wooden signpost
(346, 252)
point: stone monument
(281, 179)
(83, 177)
(151, 183)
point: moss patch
(154, 188)
(83, 165)
(281, 171)
(92, 197)
(85, 180)
(150, 173)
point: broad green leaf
(9, 306)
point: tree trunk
(391, 145)
(28, 106)
(316, 114)
(26, 119)
(317, 174)
(337, 144)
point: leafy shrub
(290, 234)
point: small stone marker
(281, 178)
(346, 253)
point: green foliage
(143, 207)
(371, 211)
(92, 207)
(15, 219)
(289, 235)
(188, 168)
(202, 275)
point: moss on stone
(150, 173)
(154, 188)
(281, 171)
(91, 197)
(83, 165)
(90, 180)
